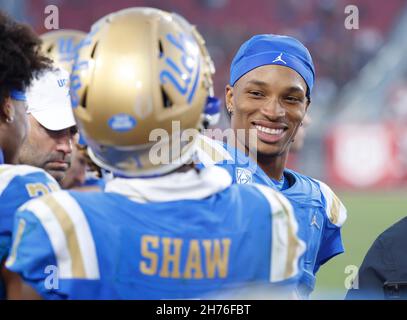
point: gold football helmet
(139, 86)
(60, 46)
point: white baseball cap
(49, 102)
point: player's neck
(273, 166)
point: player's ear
(229, 99)
(7, 111)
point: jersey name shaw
(188, 259)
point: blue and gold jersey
(183, 235)
(18, 184)
(319, 212)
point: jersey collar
(191, 185)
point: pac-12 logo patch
(243, 176)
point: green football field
(369, 214)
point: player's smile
(269, 132)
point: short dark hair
(20, 57)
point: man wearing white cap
(48, 145)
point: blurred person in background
(383, 273)
(20, 62)
(49, 142)
(83, 174)
(76, 174)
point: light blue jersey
(183, 235)
(319, 212)
(18, 184)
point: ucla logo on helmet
(66, 48)
(183, 74)
(79, 65)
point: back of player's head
(136, 72)
(60, 46)
(19, 58)
(269, 49)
